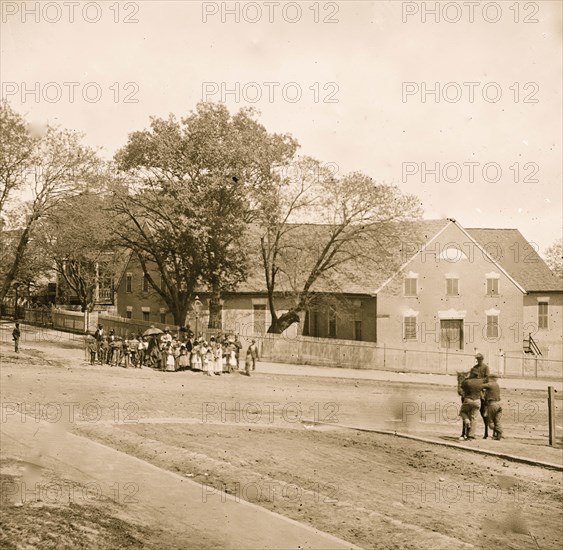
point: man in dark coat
(16, 335)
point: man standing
(253, 348)
(494, 408)
(238, 346)
(93, 347)
(99, 335)
(16, 334)
(481, 370)
(111, 347)
(471, 388)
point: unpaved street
(253, 439)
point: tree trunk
(284, 321)
(215, 310)
(179, 312)
(13, 271)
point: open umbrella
(152, 331)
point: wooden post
(551, 413)
(536, 366)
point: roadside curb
(513, 458)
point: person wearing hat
(481, 371)
(111, 347)
(165, 342)
(494, 407)
(99, 335)
(16, 335)
(237, 344)
(92, 346)
(471, 388)
(253, 348)
(166, 337)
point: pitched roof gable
(383, 254)
(519, 258)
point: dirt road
(247, 438)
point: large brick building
(452, 288)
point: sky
(353, 81)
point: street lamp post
(197, 305)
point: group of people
(163, 351)
(480, 392)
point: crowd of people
(480, 393)
(163, 351)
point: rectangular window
(146, 315)
(145, 283)
(129, 314)
(452, 286)
(129, 282)
(411, 286)
(163, 318)
(492, 326)
(358, 330)
(492, 287)
(331, 322)
(409, 328)
(542, 314)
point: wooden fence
(368, 355)
(315, 351)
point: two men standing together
(481, 393)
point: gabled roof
(382, 256)
(392, 247)
(519, 258)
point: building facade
(460, 290)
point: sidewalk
(291, 369)
(164, 499)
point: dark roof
(389, 247)
(518, 257)
(380, 256)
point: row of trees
(202, 201)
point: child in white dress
(170, 360)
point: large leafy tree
(58, 167)
(77, 235)
(192, 193)
(16, 152)
(348, 214)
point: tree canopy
(348, 213)
(193, 188)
